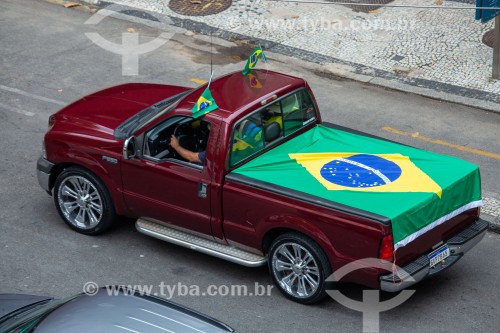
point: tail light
(387, 248)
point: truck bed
(415, 191)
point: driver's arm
(189, 155)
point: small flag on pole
(252, 60)
(205, 104)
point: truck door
(159, 185)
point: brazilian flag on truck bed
(416, 189)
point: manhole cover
(199, 7)
(364, 9)
(489, 38)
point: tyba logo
(129, 49)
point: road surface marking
(198, 81)
(443, 143)
(10, 108)
(25, 93)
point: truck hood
(100, 113)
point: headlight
(52, 120)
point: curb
(494, 222)
(491, 214)
(329, 65)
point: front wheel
(83, 201)
(299, 268)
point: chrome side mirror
(129, 148)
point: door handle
(202, 190)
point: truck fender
(271, 229)
(67, 156)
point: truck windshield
(134, 123)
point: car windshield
(129, 126)
(27, 319)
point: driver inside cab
(190, 156)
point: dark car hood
(101, 112)
(126, 313)
(12, 302)
(117, 312)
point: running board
(199, 244)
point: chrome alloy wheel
(80, 202)
(295, 270)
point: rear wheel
(83, 201)
(299, 268)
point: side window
(247, 138)
(298, 111)
(192, 135)
(157, 140)
(272, 122)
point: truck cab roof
(236, 94)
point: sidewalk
(433, 52)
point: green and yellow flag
(240, 144)
(416, 189)
(205, 104)
(367, 172)
(252, 60)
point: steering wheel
(187, 139)
(178, 130)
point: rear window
(298, 111)
(270, 124)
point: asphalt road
(46, 61)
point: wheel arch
(313, 233)
(103, 176)
(56, 171)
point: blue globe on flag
(204, 105)
(361, 170)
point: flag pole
(263, 54)
(265, 59)
(210, 81)
(211, 57)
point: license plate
(439, 255)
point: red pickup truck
(277, 185)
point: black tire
(291, 272)
(83, 202)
